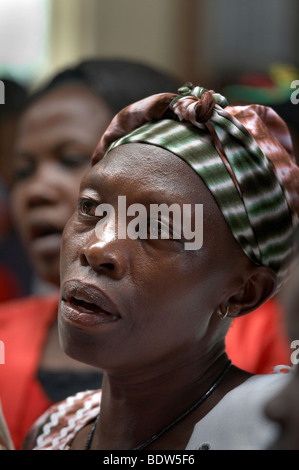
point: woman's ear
(257, 288)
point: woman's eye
(74, 160)
(23, 172)
(162, 230)
(162, 235)
(158, 230)
(87, 207)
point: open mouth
(88, 307)
(44, 230)
(87, 304)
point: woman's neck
(136, 407)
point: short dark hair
(117, 82)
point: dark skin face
(56, 137)
(144, 300)
(155, 325)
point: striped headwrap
(242, 153)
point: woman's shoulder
(238, 421)
(56, 428)
(264, 384)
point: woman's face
(147, 301)
(56, 138)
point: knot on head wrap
(242, 153)
(196, 104)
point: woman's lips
(86, 305)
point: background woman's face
(155, 299)
(57, 136)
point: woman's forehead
(150, 166)
(144, 154)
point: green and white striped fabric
(239, 175)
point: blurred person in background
(284, 407)
(57, 135)
(15, 269)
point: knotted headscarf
(242, 153)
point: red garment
(257, 342)
(9, 286)
(24, 326)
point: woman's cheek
(70, 244)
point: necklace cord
(155, 437)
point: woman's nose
(39, 195)
(109, 256)
(42, 189)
